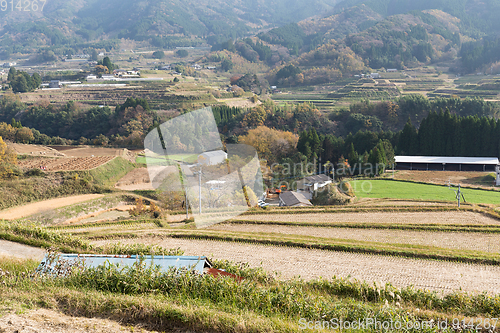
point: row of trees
(126, 125)
(446, 134)
(353, 152)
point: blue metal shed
(197, 264)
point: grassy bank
(185, 301)
(108, 174)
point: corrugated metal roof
(317, 179)
(165, 262)
(215, 153)
(447, 160)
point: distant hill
(477, 17)
(400, 33)
(76, 23)
(379, 33)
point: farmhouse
(446, 163)
(55, 84)
(293, 199)
(212, 157)
(309, 185)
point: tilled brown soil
(310, 264)
(458, 218)
(65, 164)
(452, 240)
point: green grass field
(189, 158)
(379, 188)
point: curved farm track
(38, 207)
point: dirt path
(456, 218)
(309, 264)
(48, 321)
(38, 207)
(452, 240)
(13, 249)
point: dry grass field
(472, 178)
(289, 262)
(399, 217)
(273, 242)
(451, 240)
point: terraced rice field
(445, 218)
(452, 240)
(65, 164)
(309, 264)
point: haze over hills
(381, 33)
(81, 21)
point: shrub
(331, 195)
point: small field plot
(65, 164)
(379, 188)
(475, 178)
(35, 150)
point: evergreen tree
(12, 74)
(107, 62)
(408, 140)
(37, 80)
(353, 155)
(314, 142)
(19, 84)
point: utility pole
(458, 192)
(182, 178)
(199, 183)
(199, 180)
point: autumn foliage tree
(7, 159)
(271, 144)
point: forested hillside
(79, 23)
(383, 33)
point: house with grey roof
(308, 185)
(293, 199)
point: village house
(293, 199)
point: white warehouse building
(212, 157)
